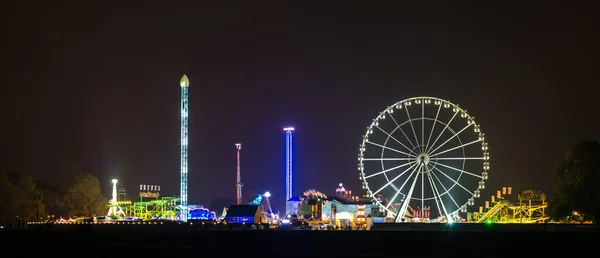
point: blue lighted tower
(185, 84)
(289, 150)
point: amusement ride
(423, 159)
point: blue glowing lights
(288, 163)
(200, 214)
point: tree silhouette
(84, 197)
(17, 202)
(577, 182)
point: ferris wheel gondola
(424, 152)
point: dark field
(158, 240)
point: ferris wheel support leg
(403, 184)
(437, 196)
(422, 191)
(404, 207)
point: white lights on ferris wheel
(424, 152)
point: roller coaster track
(491, 212)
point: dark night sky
(93, 89)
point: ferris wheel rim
(426, 149)
(423, 118)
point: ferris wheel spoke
(393, 179)
(422, 126)
(463, 158)
(392, 149)
(457, 147)
(456, 169)
(436, 194)
(449, 195)
(443, 130)
(402, 131)
(393, 138)
(433, 126)
(453, 136)
(422, 189)
(389, 159)
(401, 187)
(451, 179)
(389, 169)
(408, 196)
(412, 126)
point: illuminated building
(244, 214)
(122, 194)
(311, 205)
(288, 164)
(339, 192)
(342, 193)
(185, 84)
(343, 210)
(292, 205)
(361, 220)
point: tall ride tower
(185, 84)
(114, 210)
(238, 184)
(288, 165)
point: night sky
(96, 89)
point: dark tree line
(22, 199)
(576, 194)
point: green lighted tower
(185, 84)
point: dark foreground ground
(153, 241)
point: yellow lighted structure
(531, 208)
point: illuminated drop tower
(288, 165)
(115, 210)
(185, 84)
(238, 185)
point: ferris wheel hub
(423, 159)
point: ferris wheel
(423, 154)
